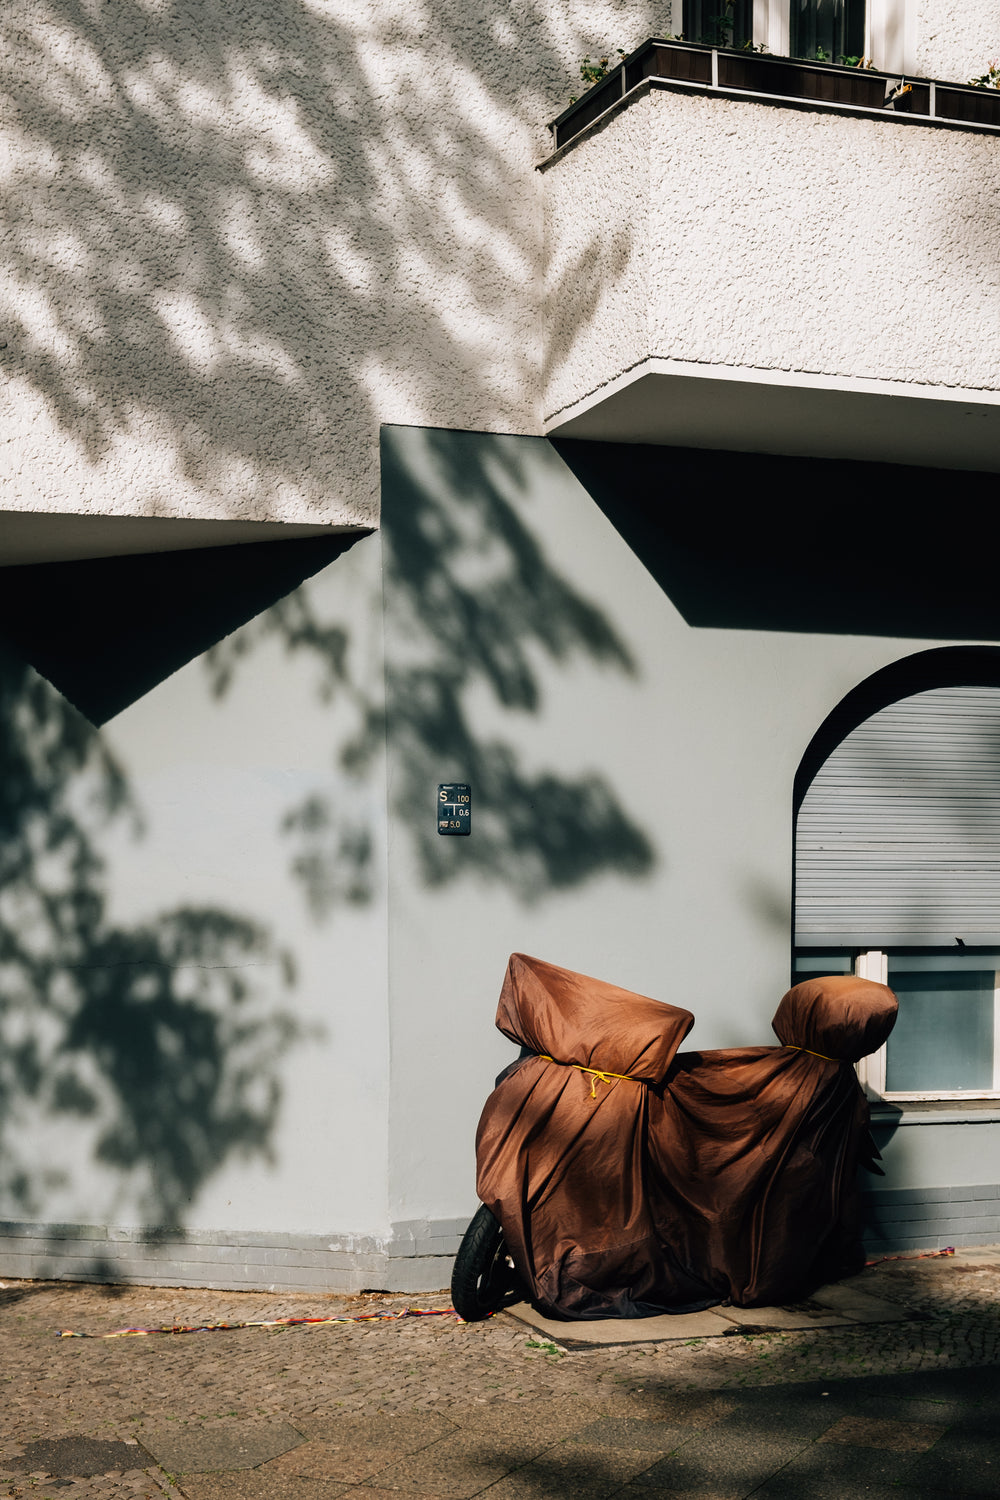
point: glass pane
(818, 965)
(823, 963)
(718, 23)
(827, 30)
(928, 961)
(943, 1038)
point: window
(880, 29)
(897, 876)
(946, 1041)
(827, 30)
(719, 23)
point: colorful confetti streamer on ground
(372, 1317)
(924, 1255)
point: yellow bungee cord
(596, 1073)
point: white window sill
(936, 1112)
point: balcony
(754, 253)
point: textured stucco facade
(756, 238)
(953, 40)
(237, 238)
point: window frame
(871, 1070)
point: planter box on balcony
(780, 78)
(799, 80)
(973, 106)
(653, 60)
(595, 102)
(915, 99)
(656, 60)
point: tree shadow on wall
(235, 242)
(474, 607)
(105, 631)
(477, 613)
(234, 236)
(157, 1039)
(481, 606)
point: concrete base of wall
(898, 1220)
(417, 1257)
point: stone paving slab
(397, 1434)
(859, 1306)
(721, 1456)
(830, 1307)
(457, 1467)
(263, 1484)
(634, 1432)
(582, 1470)
(217, 1446)
(771, 1319)
(358, 1449)
(979, 1255)
(622, 1330)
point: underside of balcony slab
(764, 411)
(40, 536)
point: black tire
(484, 1279)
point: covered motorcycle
(628, 1178)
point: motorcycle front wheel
(484, 1279)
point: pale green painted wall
(218, 763)
(692, 734)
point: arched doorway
(897, 869)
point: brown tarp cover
(695, 1178)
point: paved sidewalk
(834, 1407)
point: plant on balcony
(991, 78)
(593, 72)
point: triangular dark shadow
(105, 631)
(755, 541)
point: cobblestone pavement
(436, 1408)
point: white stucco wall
(956, 39)
(234, 240)
(775, 240)
(600, 257)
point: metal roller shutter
(898, 837)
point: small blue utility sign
(454, 807)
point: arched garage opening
(897, 865)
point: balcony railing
(753, 75)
